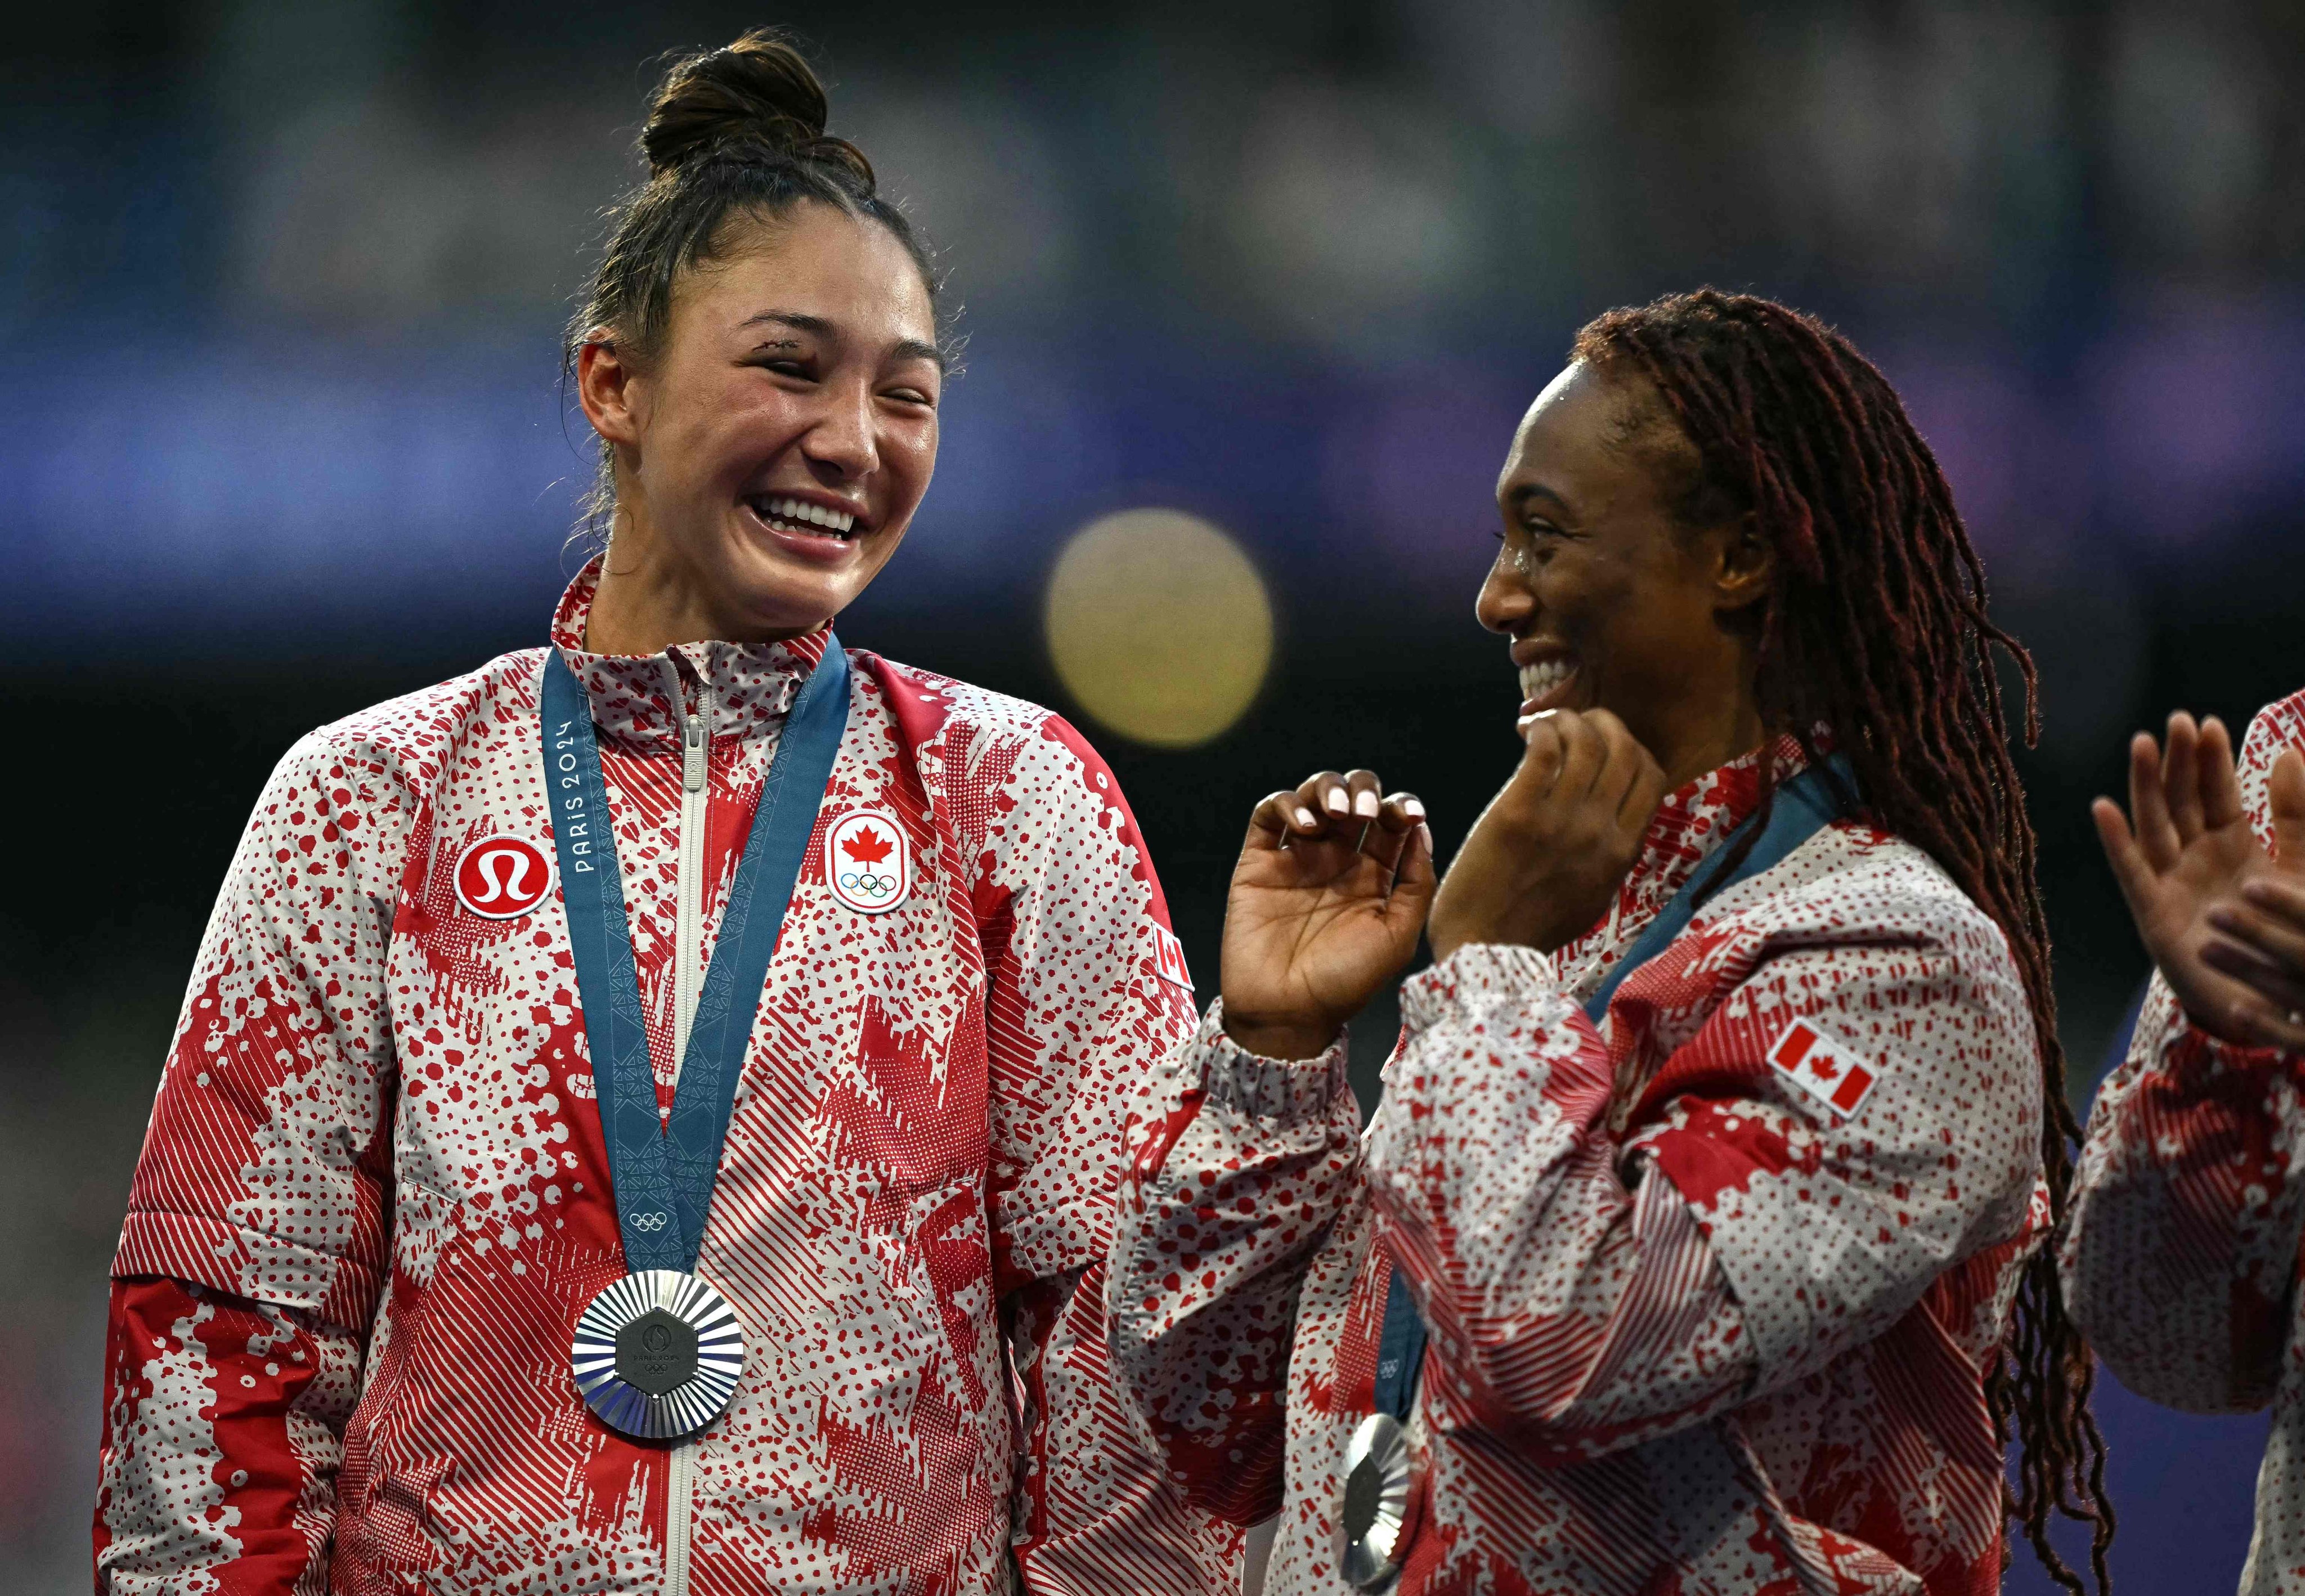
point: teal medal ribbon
(657, 1354)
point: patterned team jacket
(2181, 1258)
(374, 1196)
(1712, 1286)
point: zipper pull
(693, 754)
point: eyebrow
(800, 321)
(1527, 491)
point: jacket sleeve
(1238, 1169)
(1076, 938)
(2182, 1251)
(254, 1249)
(1590, 1289)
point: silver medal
(657, 1354)
(1376, 1501)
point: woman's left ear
(1746, 568)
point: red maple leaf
(865, 847)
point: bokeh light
(1159, 626)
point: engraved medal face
(1376, 1501)
(657, 1354)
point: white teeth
(801, 513)
(1540, 678)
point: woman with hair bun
(1699, 1242)
(644, 1114)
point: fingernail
(1304, 816)
(1364, 803)
(1412, 808)
(1336, 801)
(1425, 832)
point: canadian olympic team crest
(503, 878)
(866, 862)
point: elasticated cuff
(1477, 970)
(1285, 1089)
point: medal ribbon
(663, 1169)
(1805, 805)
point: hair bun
(758, 91)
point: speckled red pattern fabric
(1695, 1329)
(374, 1195)
(2180, 1259)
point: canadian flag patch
(1169, 957)
(866, 862)
(1813, 1060)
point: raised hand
(2213, 909)
(1548, 853)
(1331, 892)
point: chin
(786, 598)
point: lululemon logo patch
(1813, 1060)
(866, 862)
(503, 878)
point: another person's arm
(1244, 1144)
(2182, 1251)
(1238, 1167)
(255, 1248)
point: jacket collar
(639, 697)
(1689, 826)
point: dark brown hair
(1876, 629)
(732, 134)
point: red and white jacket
(2181, 1258)
(1713, 1287)
(374, 1196)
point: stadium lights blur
(1159, 626)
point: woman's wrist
(1287, 1038)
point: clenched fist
(1548, 853)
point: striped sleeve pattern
(255, 1250)
(1568, 1311)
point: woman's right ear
(604, 387)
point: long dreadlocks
(1877, 629)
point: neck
(646, 604)
(1708, 739)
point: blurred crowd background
(280, 288)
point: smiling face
(1609, 602)
(771, 453)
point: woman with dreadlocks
(1697, 1243)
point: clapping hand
(1327, 901)
(2223, 921)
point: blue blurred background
(280, 286)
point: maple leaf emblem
(866, 847)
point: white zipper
(687, 981)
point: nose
(1505, 604)
(843, 445)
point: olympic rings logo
(866, 863)
(652, 1221)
